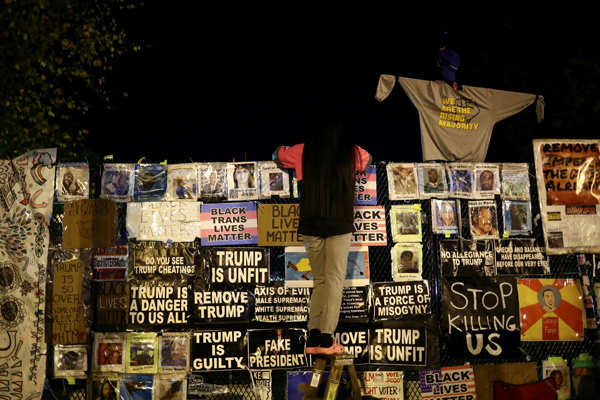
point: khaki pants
(328, 260)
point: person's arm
(288, 156)
(363, 159)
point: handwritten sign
(228, 223)
(89, 224)
(278, 225)
(68, 321)
(168, 220)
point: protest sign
(551, 309)
(396, 300)
(383, 385)
(214, 350)
(216, 306)
(158, 304)
(110, 264)
(480, 315)
(365, 187)
(178, 221)
(299, 383)
(355, 304)
(117, 182)
(369, 226)
(89, 224)
(281, 304)
(568, 180)
(443, 216)
(521, 257)
(228, 223)
(355, 342)
(112, 304)
(278, 225)
(276, 348)
(298, 272)
(136, 386)
(159, 261)
(237, 265)
(467, 258)
(399, 346)
(448, 383)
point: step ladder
(336, 366)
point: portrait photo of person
(173, 352)
(71, 360)
(110, 354)
(116, 183)
(519, 217)
(444, 213)
(483, 221)
(141, 354)
(243, 176)
(275, 181)
(213, 186)
(70, 185)
(104, 389)
(171, 389)
(406, 261)
(462, 181)
(407, 223)
(433, 180)
(486, 180)
(408, 264)
(549, 298)
(404, 180)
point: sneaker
(334, 349)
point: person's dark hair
(328, 167)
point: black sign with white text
(396, 300)
(217, 306)
(467, 258)
(214, 350)
(158, 304)
(276, 348)
(278, 303)
(521, 256)
(237, 265)
(355, 304)
(399, 346)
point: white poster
(175, 220)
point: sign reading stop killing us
(278, 225)
(228, 223)
(481, 316)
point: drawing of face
(241, 176)
(447, 214)
(486, 180)
(432, 174)
(549, 299)
(484, 220)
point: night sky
(213, 87)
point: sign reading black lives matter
(355, 304)
(399, 346)
(157, 305)
(469, 258)
(481, 316)
(238, 265)
(276, 348)
(355, 342)
(521, 256)
(396, 300)
(214, 350)
(112, 302)
(217, 306)
(278, 303)
(157, 260)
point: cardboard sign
(396, 300)
(369, 226)
(355, 342)
(276, 348)
(217, 306)
(568, 180)
(551, 309)
(158, 305)
(214, 350)
(281, 304)
(178, 221)
(89, 224)
(68, 309)
(480, 316)
(521, 257)
(355, 304)
(228, 223)
(448, 383)
(298, 272)
(278, 225)
(385, 385)
(112, 305)
(237, 265)
(365, 187)
(467, 258)
(399, 346)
